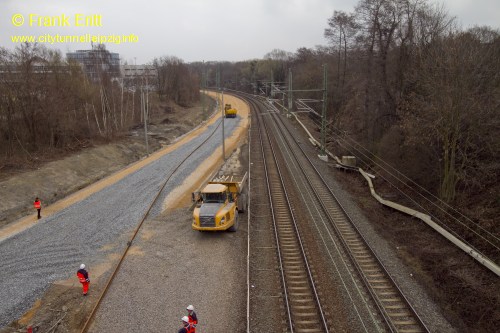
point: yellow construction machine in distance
(229, 112)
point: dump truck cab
(218, 205)
(230, 112)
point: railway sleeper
(364, 255)
(290, 252)
(308, 330)
(295, 268)
(293, 264)
(382, 287)
(410, 330)
(391, 300)
(405, 323)
(371, 269)
(367, 261)
(378, 282)
(309, 314)
(287, 240)
(296, 283)
(343, 226)
(358, 248)
(288, 233)
(404, 314)
(289, 245)
(294, 259)
(287, 236)
(291, 255)
(304, 298)
(395, 307)
(299, 290)
(281, 206)
(297, 276)
(305, 307)
(374, 275)
(300, 326)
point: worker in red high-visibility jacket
(187, 327)
(38, 206)
(193, 319)
(83, 276)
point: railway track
(303, 307)
(393, 309)
(396, 310)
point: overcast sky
(196, 30)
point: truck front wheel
(234, 227)
(242, 203)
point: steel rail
(280, 259)
(262, 235)
(302, 317)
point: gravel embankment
(89, 230)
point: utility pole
(144, 106)
(272, 84)
(222, 111)
(147, 98)
(202, 86)
(290, 90)
(121, 106)
(223, 141)
(254, 83)
(323, 116)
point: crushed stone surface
(90, 230)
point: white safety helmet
(185, 319)
(190, 308)
(82, 266)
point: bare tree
(341, 31)
(177, 81)
(456, 109)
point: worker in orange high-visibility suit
(187, 327)
(193, 319)
(38, 206)
(83, 276)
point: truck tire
(242, 203)
(234, 227)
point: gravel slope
(89, 230)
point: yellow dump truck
(229, 112)
(218, 204)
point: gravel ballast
(52, 249)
